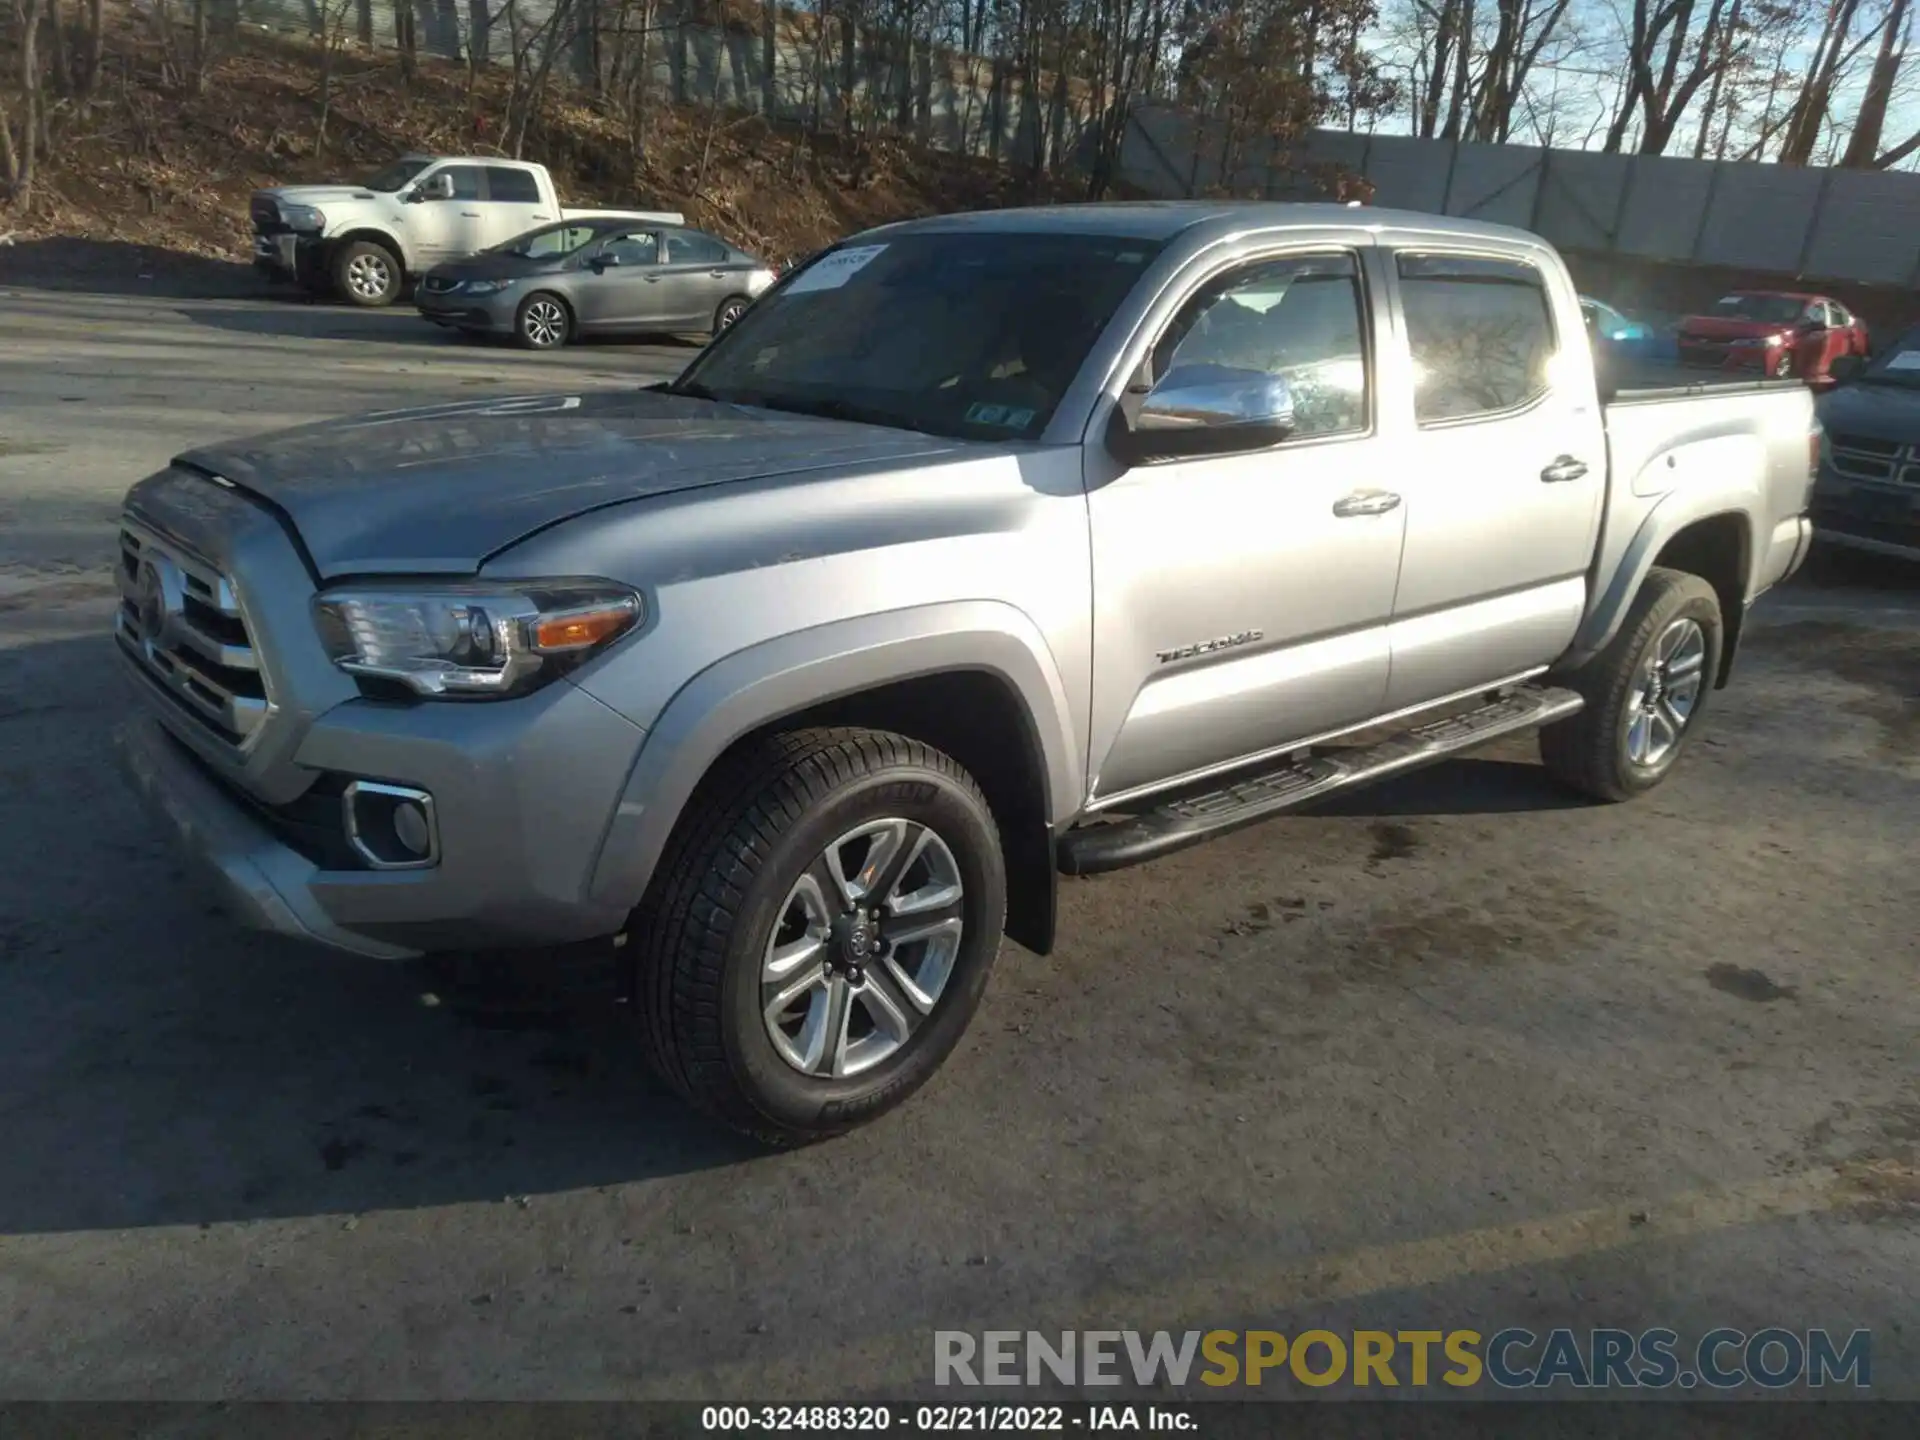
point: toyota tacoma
(983, 549)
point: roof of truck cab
(1165, 219)
(495, 160)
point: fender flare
(1672, 514)
(751, 688)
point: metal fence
(1832, 225)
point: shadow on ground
(165, 1067)
(74, 265)
(303, 319)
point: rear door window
(690, 247)
(512, 187)
(1481, 333)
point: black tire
(701, 937)
(1590, 752)
(366, 274)
(543, 322)
(730, 311)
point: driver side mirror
(1199, 410)
(438, 186)
(601, 262)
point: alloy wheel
(862, 949)
(1665, 692)
(369, 276)
(545, 323)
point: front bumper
(287, 256)
(523, 793)
(1883, 519)
(492, 314)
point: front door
(620, 287)
(1241, 602)
(1503, 504)
(452, 228)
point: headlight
(473, 641)
(303, 217)
(485, 287)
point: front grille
(180, 623)
(1861, 457)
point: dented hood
(439, 490)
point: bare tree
(1863, 145)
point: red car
(1778, 333)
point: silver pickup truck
(983, 549)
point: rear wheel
(821, 932)
(730, 311)
(1643, 692)
(366, 274)
(542, 322)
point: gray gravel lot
(1453, 1053)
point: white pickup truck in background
(363, 242)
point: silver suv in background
(981, 549)
(595, 277)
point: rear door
(513, 205)
(1507, 472)
(698, 275)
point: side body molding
(756, 686)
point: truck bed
(1640, 381)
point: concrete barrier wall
(1831, 225)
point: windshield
(1898, 364)
(970, 335)
(395, 175)
(1766, 309)
(548, 244)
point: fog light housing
(391, 827)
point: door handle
(651, 279)
(469, 214)
(718, 274)
(1366, 502)
(1562, 470)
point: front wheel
(1644, 692)
(542, 323)
(820, 933)
(366, 274)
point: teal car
(1622, 333)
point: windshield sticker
(1905, 360)
(1003, 416)
(835, 270)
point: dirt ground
(1451, 1053)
